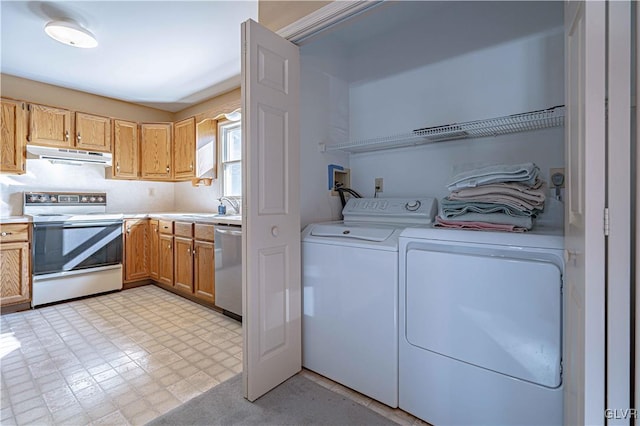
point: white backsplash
(123, 196)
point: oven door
(71, 246)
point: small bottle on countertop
(222, 209)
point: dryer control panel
(416, 211)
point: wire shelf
(524, 122)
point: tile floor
(123, 359)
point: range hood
(69, 156)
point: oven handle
(77, 224)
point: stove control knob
(100, 199)
(84, 199)
(33, 198)
(92, 199)
(43, 198)
(53, 199)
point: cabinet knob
(189, 251)
(191, 166)
(4, 234)
(169, 246)
(79, 137)
(66, 135)
(128, 230)
(118, 167)
(168, 169)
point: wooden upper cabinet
(125, 149)
(184, 149)
(50, 126)
(93, 132)
(155, 151)
(14, 136)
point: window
(230, 136)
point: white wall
(442, 63)
(122, 196)
(324, 105)
(203, 199)
(514, 77)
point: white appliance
(69, 156)
(350, 294)
(76, 246)
(228, 278)
(481, 327)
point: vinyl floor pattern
(123, 358)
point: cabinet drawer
(183, 229)
(166, 226)
(14, 232)
(204, 232)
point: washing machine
(481, 326)
(350, 293)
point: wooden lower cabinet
(176, 254)
(165, 254)
(204, 270)
(15, 264)
(183, 255)
(135, 249)
(154, 246)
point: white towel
(525, 173)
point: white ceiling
(164, 54)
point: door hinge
(606, 221)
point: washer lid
(355, 232)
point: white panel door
(619, 205)
(271, 218)
(584, 337)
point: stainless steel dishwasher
(228, 257)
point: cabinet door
(183, 254)
(125, 149)
(93, 132)
(50, 126)
(14, 273)
(155, 150)
(165, 252)
(154, 241)
(184, 149)
(135, 246)
(204, 270)
(13, 137)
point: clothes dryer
(481, 327)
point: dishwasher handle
(229, 232)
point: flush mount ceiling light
(70, 33)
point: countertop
(15, 219)
(209, 218)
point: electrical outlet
(552, 172)
(378, 184)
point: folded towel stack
(501, 197)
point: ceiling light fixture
(70, 33)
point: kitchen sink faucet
(234, 203)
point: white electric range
(76, 246)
